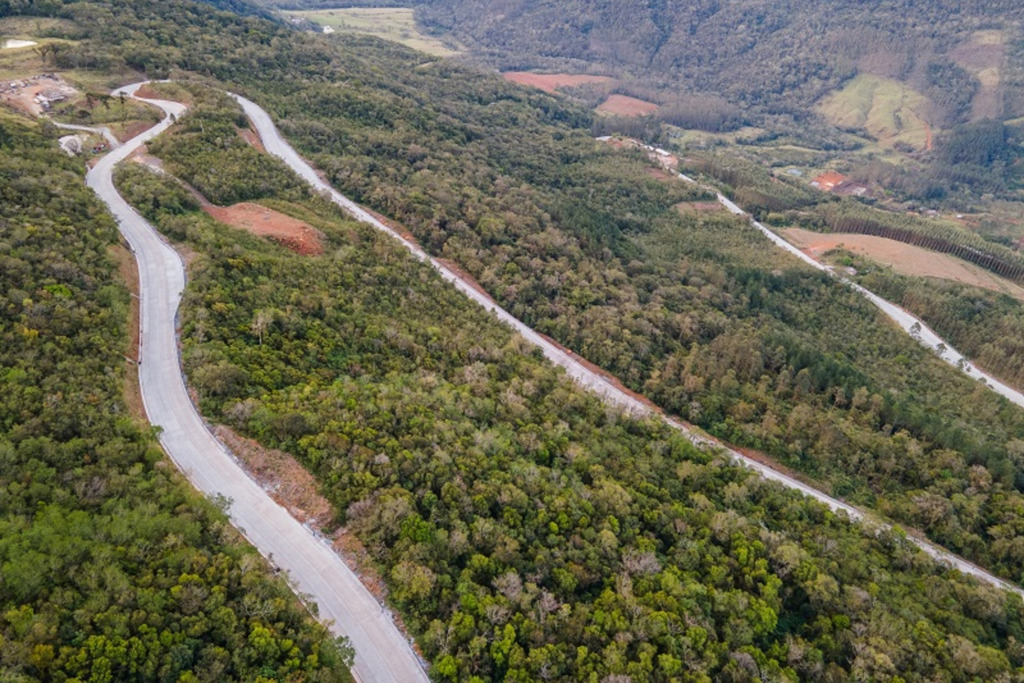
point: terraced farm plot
(552, 82)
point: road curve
(100, 130)
(911, 324)
(586, 377)
(314, 569)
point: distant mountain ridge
(776, 57)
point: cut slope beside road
(382, 653)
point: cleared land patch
(389, 23)
(552, 82)
(886, 109)
(621, 105)
(905, 259)
(983, 56)
(290, 232)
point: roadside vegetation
(111, 567)
(986, 326)
(524, 530)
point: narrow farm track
(595, 381)
(314, 569)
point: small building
(829, 181)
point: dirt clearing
(621, 105)
(552, 82)
(903, 258)
(37, 94)
(289, 232)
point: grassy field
(887, 110)
(389, 23)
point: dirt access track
(903, 258)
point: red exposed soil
(402, 231)
(133, 129)
(147, 92)
(903, 258)
(142, 156)
(621, 105)
(21, 93)
(551, 82)
(295, 489)
(290, 232)
(469, 279)
(287, 481)
(252, 138)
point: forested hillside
(526, 532)
(569, 543)
(771, 57)
(111, 567)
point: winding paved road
(588, 378)
(382, 653)
(314, 569)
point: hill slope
(776, 56)
(111, 568)
(523, 530)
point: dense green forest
(696, 311)
(111, 567)
(611, 558)
(769, 57)
(526, 531)
(584, 244)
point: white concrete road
(595, 381)
(101, 130)
(911, 324)
(382, 653)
